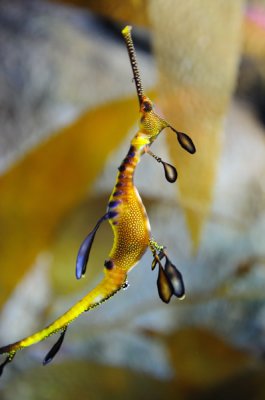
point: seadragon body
(130, 224)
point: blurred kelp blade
(75, 379)
(50, 180)
(200, 363)
(202, 359)
(195, 89)
(131, 11)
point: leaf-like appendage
(165, 289)
(84, 250)
(154, 263)
(175, 278)
(83, 255)
(55, 348)
(170, 172)
(2, 366)
(186, 142)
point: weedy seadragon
(129, 222)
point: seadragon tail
(113, 281)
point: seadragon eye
(147, 106)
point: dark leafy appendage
(185, 141)
(170, 172)
(2, 366)
(169, 280)
(84, 250)
(165, 289)
(175, 278)
(55, 348)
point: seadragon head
(151, 124)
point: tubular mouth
(126, 32)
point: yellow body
(131, 234)
(130, 226)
